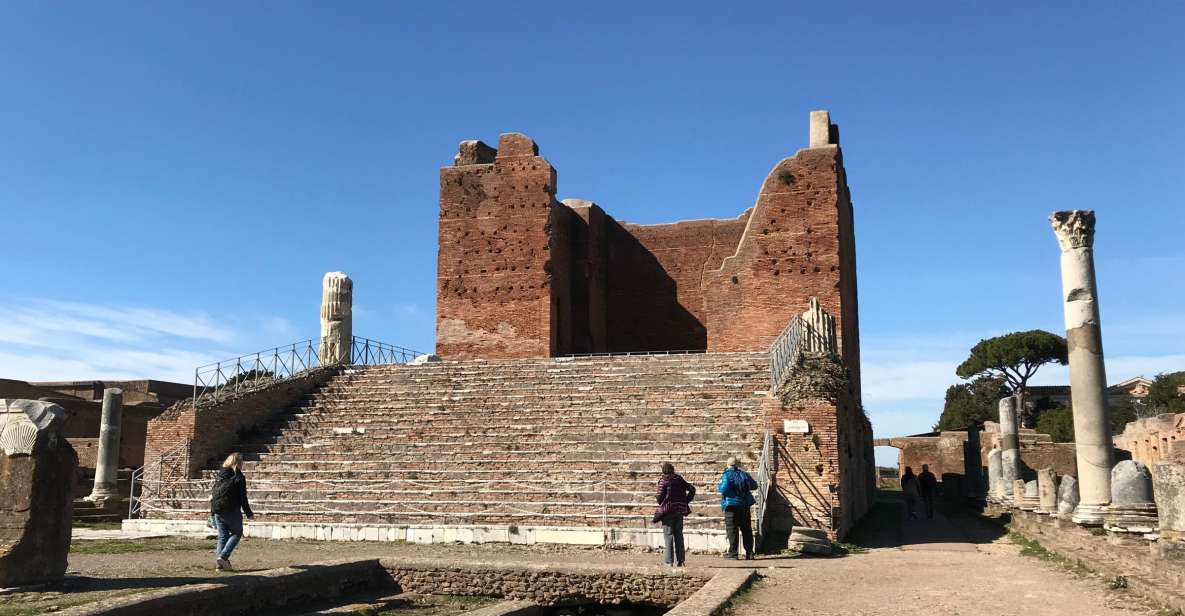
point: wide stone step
(583, 520)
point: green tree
(1165, 395)
(976, 401)
(1015, 358)
(1058, 423)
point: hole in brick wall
(776, 272)
(735, 280)
(819, 470)
(817, 270)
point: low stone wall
(1155, 569)
(692, 592)
(694, 539)
(546, 585)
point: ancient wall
(494, 267)
(1037, 451)
(1153, 439)
(656, 300)
(797, 243)
(826, 476)
(522, 275)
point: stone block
(1169, 483)
(37, 468)
(1067, 496)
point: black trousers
(738, 519)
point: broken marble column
(337, 322)
(1132, 509)
(1031, 498)
(1009, 445)
(1168, 482)
(37, 468)
(1047, 489)
(105, 493)
(1018, 493)
(1088, 379)
(995, 476)
(1067, 497)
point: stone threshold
(696, 540)
(690, 592)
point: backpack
(222, 494)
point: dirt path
(948, 566)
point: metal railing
(175, 463)
(765, 479)
(216, 381)
(367, 352)
(786, 350)
(788, 347)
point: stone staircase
(538, 442)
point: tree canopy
(1015, 358)
(976, 401)
(1165, 395)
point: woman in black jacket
(228, 503)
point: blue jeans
(230, 531)
(672, 534)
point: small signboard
(796, 426)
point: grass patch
(843, 547)
(130, 546)
(98, 525)
(1034, 549)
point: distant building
(1059, 395)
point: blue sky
(175, 178)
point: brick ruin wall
(660, 304)
(521, 274)
(825, 477)
(196, 437)
(1154, 439)
(944, 452)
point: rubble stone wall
(543, 585)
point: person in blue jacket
(736, 497)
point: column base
(104, 500)
(1089, 515)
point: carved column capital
(1074, 228)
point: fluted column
(337, 321)
(1088, 378)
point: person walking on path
(928, 486)
(674, 496)
(228, 503)
(736, 497)
(909, 488)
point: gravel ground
(946, 566)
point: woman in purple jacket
(673, 496)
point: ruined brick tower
(521, 274)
